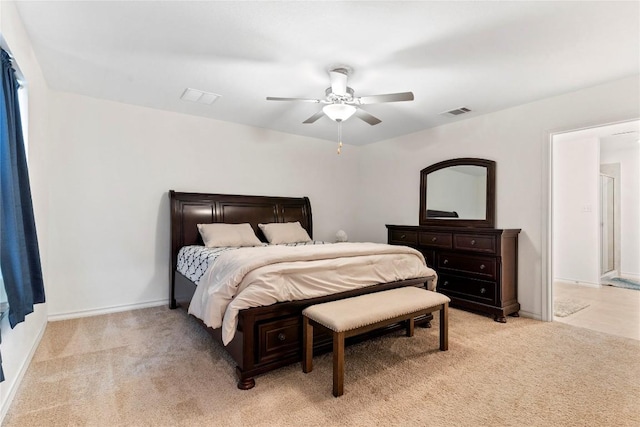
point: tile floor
(611, 310)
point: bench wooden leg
(338, 364)
(411, 325)
(444, 327)
(307, 345)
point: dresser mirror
(458, 192)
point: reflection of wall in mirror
(458, 189)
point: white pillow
(218, 235)
(284, 232)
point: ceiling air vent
(624, 133)
(457, 111)
(202, 97)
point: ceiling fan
(341, 103)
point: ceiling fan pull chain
(339, 136)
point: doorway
(595, 176)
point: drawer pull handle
(403, 236)
(482, 267)
(282, 336)
(473, 242)
(446, 261)
(434, 239)
(445, 283)
(483, 291)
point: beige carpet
(157, 367)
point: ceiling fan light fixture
(339, 112)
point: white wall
(629, 160)
(518, 139)
(576, 207)
(112, 165)
(19, 344)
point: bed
(266, 337)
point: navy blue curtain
(19, 254)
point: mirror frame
(488, 222)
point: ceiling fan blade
(390, 97)
(315, 117)
(363, 115)
(274, 98)
(338, 81)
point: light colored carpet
(158, 367)
(563, 307)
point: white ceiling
(486, 56)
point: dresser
(477, 267)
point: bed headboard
(190, 209)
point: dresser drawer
(403, 237)
(278, 338)
(476, 290)
(481, 267)
(436, 240)
(476, 243)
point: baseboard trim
(576, 282)
(21, 373)
(528, 315)
(106, 310)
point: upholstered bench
(353, 316)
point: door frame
(546, 261)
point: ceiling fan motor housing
(335, 98)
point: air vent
(457, 111)
(624, 133)
(199, 96)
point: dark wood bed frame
(267, 337)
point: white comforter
(259, 276)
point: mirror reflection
(457, 192)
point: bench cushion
(352, 313)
